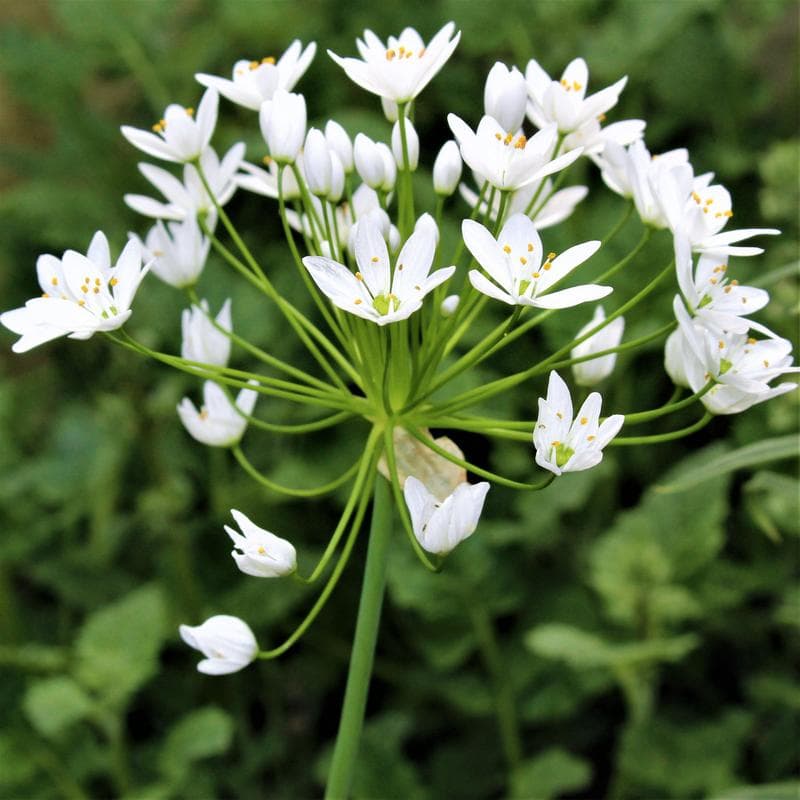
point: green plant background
(644, 638)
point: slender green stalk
(297, 428)
(345, 751)
(669, 408)
(622, 441)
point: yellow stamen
(266, 161)
(358, 301)
(530, 247)
(584, 420)
(590, 438)
(523, 260)
(551, 256)
(54, 280)
(268, 60)
(521, 142)
(374, 259)
(506, 248)
(190, 112)
(113, 282)
(261, 550)
(390, 54)
(537, 275)
(359, 276)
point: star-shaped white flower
(178, 251)
(376, 292)
(399, 70)
(258, 552)
(563, 445)
(218, 423)
(440, 524)
(255, 81)
(190, 198)
(506, 159)
(179, 136)
(82, 294)
(514, 262)
(565, 102)
(227, 643)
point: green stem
(369, 611)
(669, 408)
(622, 441)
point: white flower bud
(427, 223)
(317, 163)
(412, 142)
(339, 142)
(369, 162)
(202, 341)
(505, 96)
(676, 354)
(447, 169)
(389, 109)
(589, 373)
(283, 125)
(389, 167)
(449, 305)
(227, 643)
(337, 178)
(394, 239)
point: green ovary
(563, 454)
(384, 303)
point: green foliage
(645, 637)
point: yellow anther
(551, 256)
(734, 282)
(268, 60)
(84, 289)
(718, 269)
(54, 280)
(564, 83)
(546, 266)
(709, 201)
(508, 138)
(359, 276)
(506, 248)
(601, 118)
(390, 54)
(255, 64)
(113, 282)
(559, 415)
(696, 197)
(523, 260)
(727, 213)
(375, 259)
(765, 362)
(203, 413)
(399, 267)
(97, 281)
(96, 290)
(712, 281)
(358, 301)
(81, 303)
(718, 214)
(705, 209)
(418, 288)
(521, 142)
(158, 253)
(402, 51)
(498, 137)
(591, 437)
(262, 550)
(530, 247)
(44, 294)
(577, 86)
(584, 420)
(555, 443)
(189, 112)
(721, 344)
(537, 275)
(409, 54)
(266, 161)
(751, 340)
(421, 53)
(727, 289)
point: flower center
(385, 303)
(563, 453)
(707, 203)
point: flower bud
(589, 373)
(449, 305)
(675, 358)
(389, 167)
(283, 125)
(428, 224)
(227, 643)
(412, 143)
(317, 163)
(339, 142)
(505, 96)
(394, 239)
(337, 178)
(389, 109)
(447, 169)
(369, 162)
(258, 552)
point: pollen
(390, 54)
(555, 443)
(203, 413)
(696, 197)
(189, 112)
(551, 256)
(530, 247)
(498, 137)
(521, 142)
(765, 362)
(712, 281)
(261, 550)
(751, 340)
(506, 248)
(584, 420)
(255, 64)
(537, 275)
(523, 260)
(559, 415)
(358, 301)
(54, 280)
(601, 118)
(268, 60)
(508, 138)
(81, 303)
(113, 282)
(721, 344)
(727, 214)
(84, 289)
(709, 201)
(359, 276)
(160, 126)
(375, 259)
(97, 281)
(44, 294)
(577, 86)
(96, 290)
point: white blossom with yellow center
(258, 552)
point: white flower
(566, 446)
(440, 525)
(178, 136)
(593, 137)
(551, 208)
(632, 172)
(218, 423)
(565, 102)
(519, 276)
(403, 67)
(317, 163)
(227, 643)
(447, 169)
(178, 251)
(256, 81)
(81, 295)
(741, 365)
(283, 125)
(699, 211)
(505, 96)
(265, 181)
(369, 162)
(505, 159)
(258, 552)
(190, 198)
(340, 143)
(412, 144)
(374, 293)
(202, 341)
(718, 303)
(589, 373)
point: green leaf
(118, 646)
(774, 449)
(549, 774)
(200, 734)
(54, 704)
(769, 791)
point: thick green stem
(363, 652)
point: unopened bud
(412, 144)
(317, 163)
(339, 142)
(369, 162)
(449, 305)
(447, 169)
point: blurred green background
(645, 640)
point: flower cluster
(391, 312)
